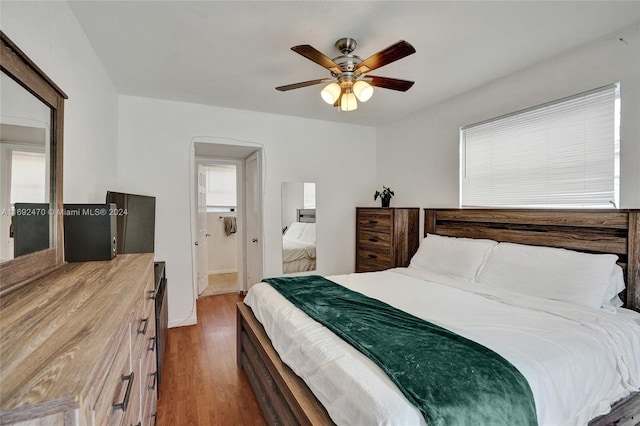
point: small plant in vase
(385, 196)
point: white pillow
(551, 273)
(295, 231)
(309, 234)
(451, 256)
(616, 286)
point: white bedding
(578, 361)
(296, 249)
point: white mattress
(577, 361)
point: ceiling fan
(350, 82)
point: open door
(201, 243)
(253, 234)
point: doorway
(217, 226)
(247, 159)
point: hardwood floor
(201, 383)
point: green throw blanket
(450, 379)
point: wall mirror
(31, 129)
(298, 227)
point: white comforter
(293, 250)
(577, 361)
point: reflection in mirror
(298, 227)
(32, 126)
(25, 170)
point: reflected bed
(299, 243)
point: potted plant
(385, 195)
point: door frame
(225, 149)
(240, 214)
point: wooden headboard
(593, 231)
(306, 215)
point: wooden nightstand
(385, 237)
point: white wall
(292, 200)
(50, 35)
(222, 249)
(418, 157)
(154, 154)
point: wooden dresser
(78, 346)
(385, 237)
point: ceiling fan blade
(318, 57)
(385, 57)
(390, 83)
(303, 84)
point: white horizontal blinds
(28, 177)
(221, 185)
(557, 155)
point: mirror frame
(17, 65)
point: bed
(287, 399)
(299, 243)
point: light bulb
(331, 93)
(363, 90)
(348, 102)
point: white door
(201, 243)
(253, 209)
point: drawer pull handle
(373, 256)
(373, 240)
(152, 344)
(150, 294)
(144, 329)
(125, 402)
(373, 222)
(155, 379)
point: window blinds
(221, 185)
(561, 154)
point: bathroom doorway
(213, 260)
(221, 237)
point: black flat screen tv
(136, 221)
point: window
(561, 154)
(28, 177)
(309, 195)
(221, 187)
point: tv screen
(136, 218)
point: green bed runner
(450, 379)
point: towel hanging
(229, 225)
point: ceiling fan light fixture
(362, 90)
(331, 93)
(348, 101)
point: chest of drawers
(78, 346)
(385, 237)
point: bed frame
(286, 400)
(306, 215)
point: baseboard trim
(183, 322)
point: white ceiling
(234, 53)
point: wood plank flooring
(201, 383)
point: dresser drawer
(371, 220)
(374, 239)
(375, 257)
(132, 416)
(149, 388)
(366, 266)
(120, 386)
